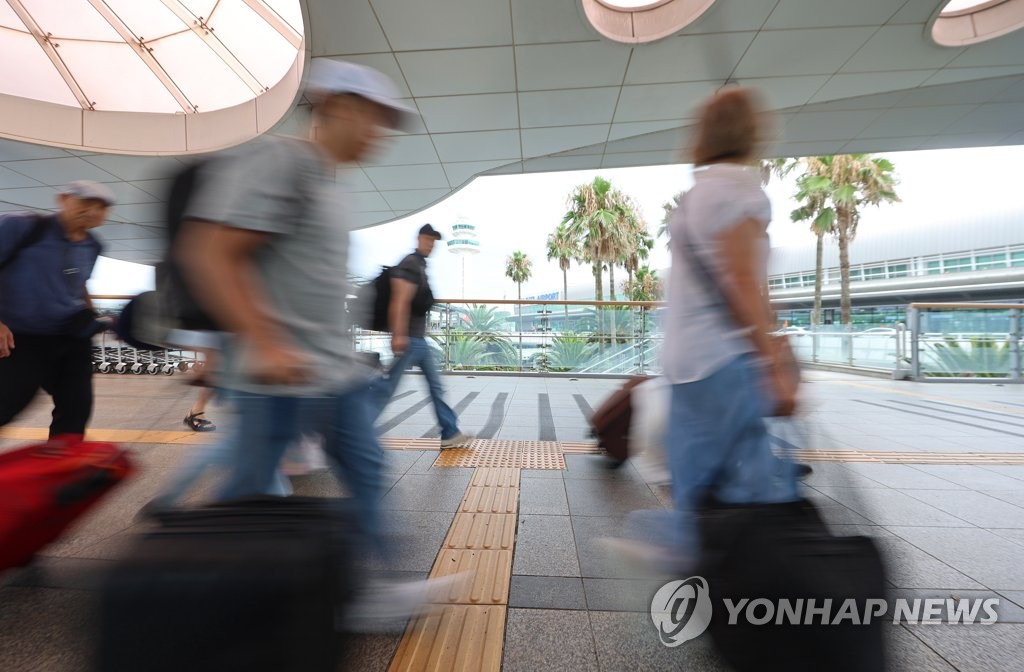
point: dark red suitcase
(45, 487)
(610, 422)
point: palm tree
(598, 217)
(571, 352)
(485, 322)
(844, 184)
(669, 207)
(519, 268)
(811, 192)
(562, 245)
(646, 286)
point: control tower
(463, 242)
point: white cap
(328, 77)
(89, 190)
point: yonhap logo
(681, 610)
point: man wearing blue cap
(46, 317)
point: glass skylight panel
(8, 19)
(71, 19)
(200, 73)
(201, 8)
(134, 87)
(27, 72)
(288, 10)
(264, 51)
(954, 6)
(148, 20)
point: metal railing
(570, 337)
(966, 342)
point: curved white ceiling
(514, 86)
(153, 59)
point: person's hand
(278, 363)
(6, 341)
(399, 344)
(784, 377)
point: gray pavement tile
(628, 642)
(889, 507)
(873, 531)
(976, 648)
(414, 539)
(545, 547)
(369, 653)
(907, 652)
(61, 573)
(1006, 611)
(595, 561)
(424, 461)
(974, 507)
(46, 629)
(1016, 596)
(436, 491)
(519, 433)
(910, 567)
(971, 476)
(621, 594)
(1012, 470)
(606, 497)
(542, 473)
(598, 467)
(1015, 497)
(986, 557)
(543, 495)
(547, 592)
(540, 639)
(902, 477)
(399, 461)
(838, 475)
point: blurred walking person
(266, 249)
(46, 317)
(411, 300)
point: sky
(517, 212)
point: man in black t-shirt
(411, 300)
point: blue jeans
(418, 354)
(266, 425)
(718, 444)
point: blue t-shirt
(44, 287)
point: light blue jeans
(718, 444)
(418, 354)
(266, 425)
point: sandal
(198, 424)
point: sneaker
(386, 606)
(460, 440)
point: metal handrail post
(447, 337)
(1015, 344)
(915, 335)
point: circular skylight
(963, 22)
(638, 21)
(954, 7)
(145, 57)
(629, 4)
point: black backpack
(381, 294)
(178, 302)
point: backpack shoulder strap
(34, 235)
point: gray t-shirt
(413, 268)
(286, 188)
(700, 334)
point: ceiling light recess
(963, 22)
(638, 21)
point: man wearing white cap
(266, 249)
(46, 318)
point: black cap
(428, 230)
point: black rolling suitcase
(786, 552)
(252, 585)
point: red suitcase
(45, 487)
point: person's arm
(747, 298)
(743, 289)
(218, 265)
(402, 294)
(11, 234)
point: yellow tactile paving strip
(114, 435)
(505, 453)
(468, 633)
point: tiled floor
(946, 530)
